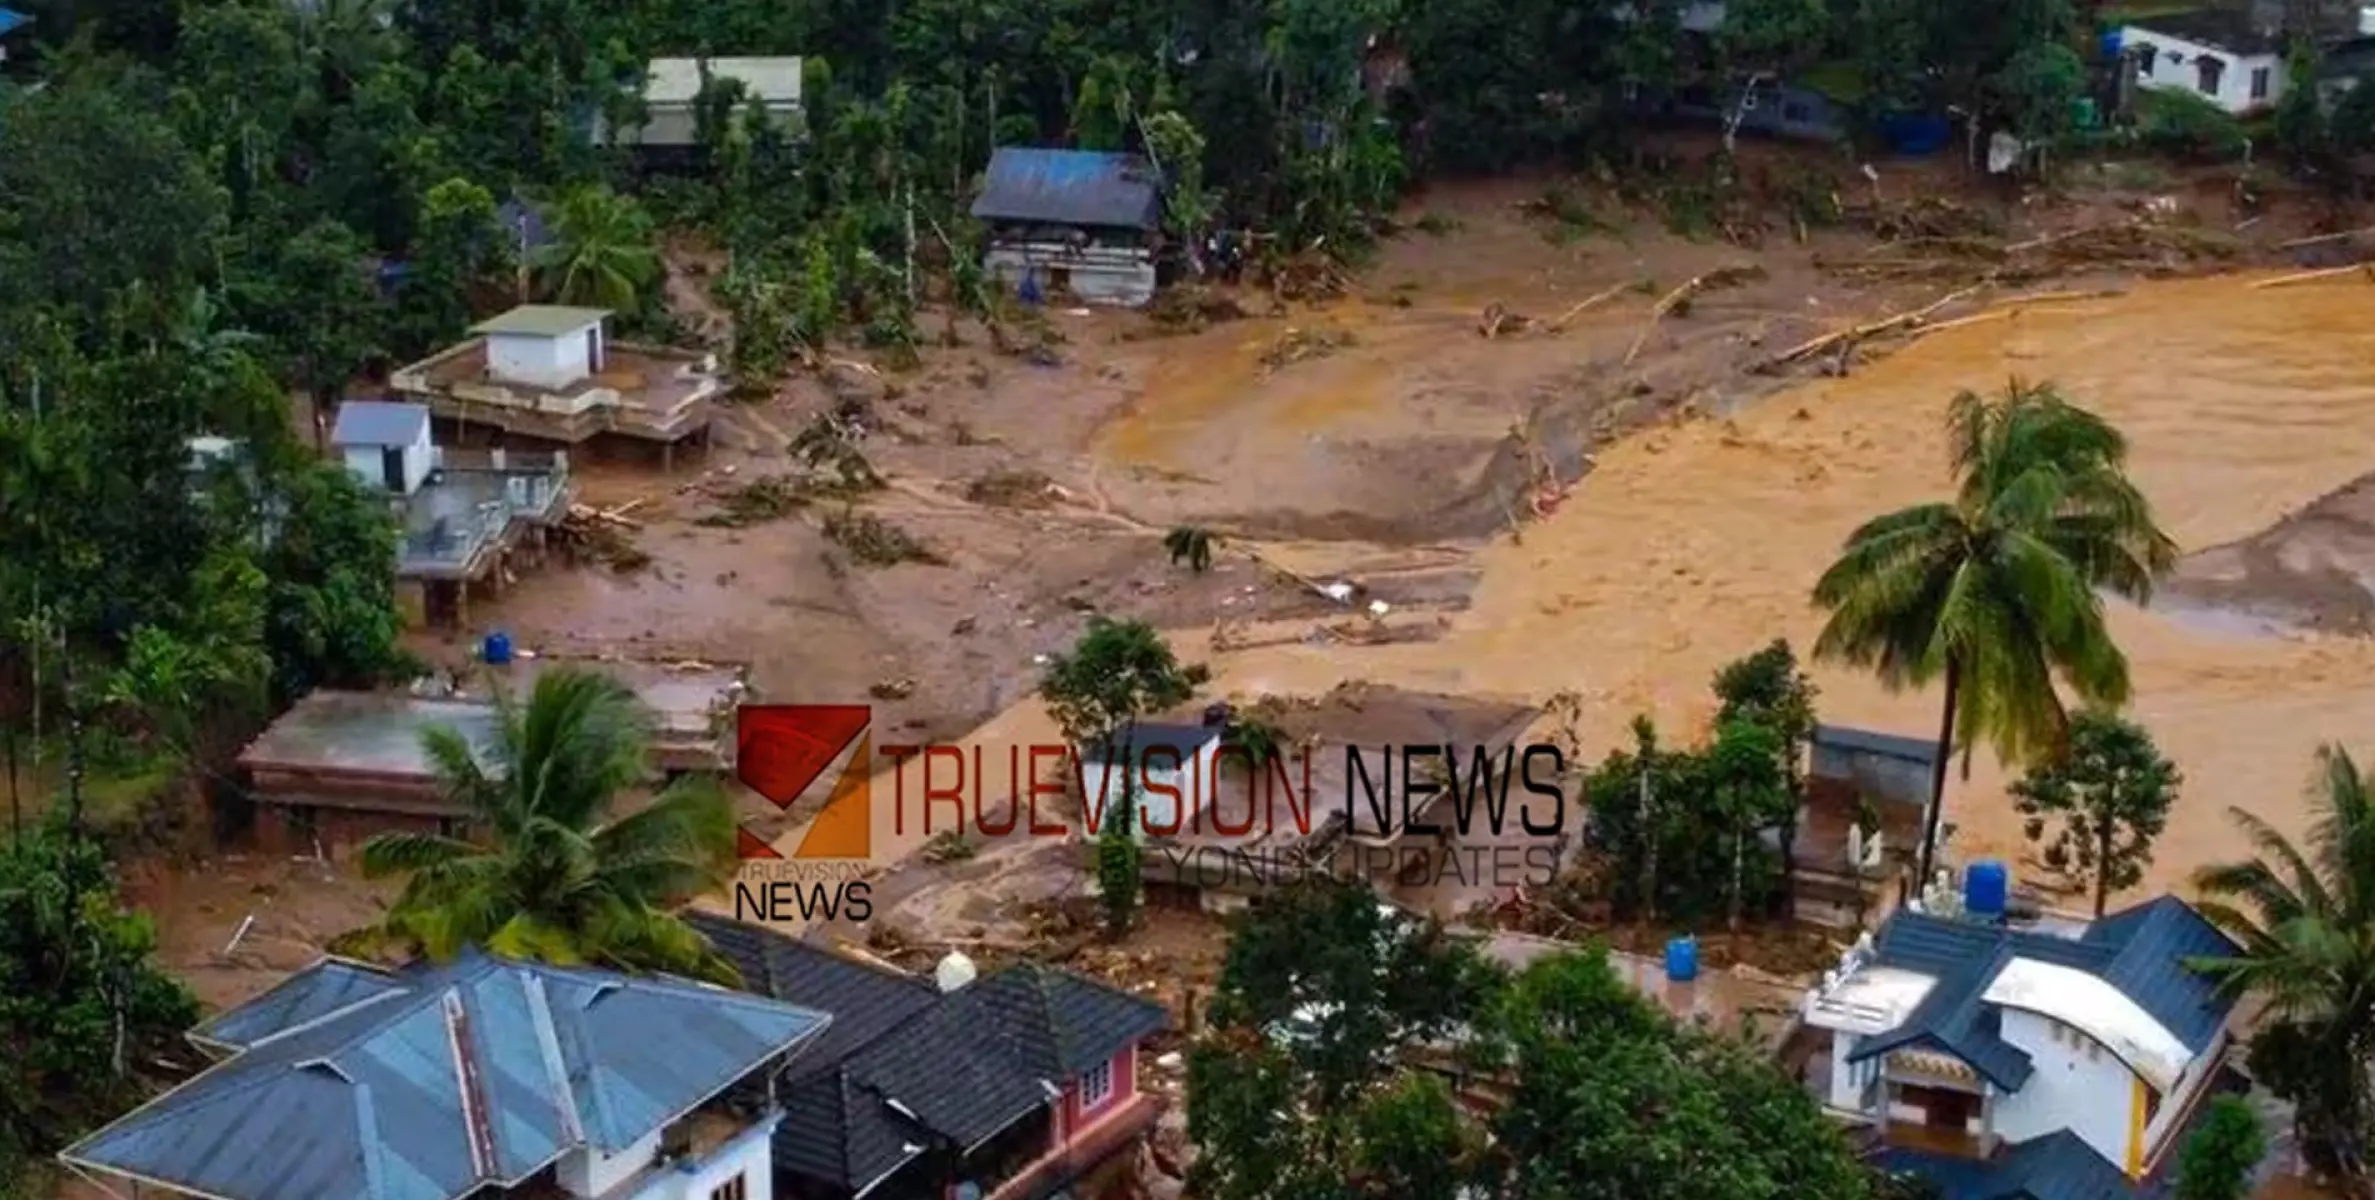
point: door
(391, 466)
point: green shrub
(2186, 126)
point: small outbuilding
(1076, 221)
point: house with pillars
(2002, 1060)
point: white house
(672, 91)
(1173, 768)
(2232, 57)
(385, 444)
(482, 1077)
(544, 345)
(1985, 1052)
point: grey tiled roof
(951, 1070)
(379, 423)
(2142, 951)
(371, 1101)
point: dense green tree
(1995, 591)
(2304, 914)
(604, 253)
(549, 874)
(1118, 672)
(2218, 1159)
(2096, 808)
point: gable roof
(447, 1080)
(2141, 951)
(956, 1067)
(1070, 187)
(541, 320)
(379, 423)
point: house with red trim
(1017, 1085)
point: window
(2259, 83)
(2145, 54)
(2207, 70)
(1096, 1086)
(733, 1189)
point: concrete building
(482, 1078)
(2232, 57)
(1074, 222)
(672, 91)
(467, 517)
(1987, 1056)
(553, 373)
(339, 767)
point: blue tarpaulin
(11, 20)
(1070, 187)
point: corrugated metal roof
(379, 423)
(377, 1101)
(2057, 1166)
(542, 320)
(2142, 951)
(678, 80)
(1865, 741)
(1070, 187)
(309, 995)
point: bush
(2186, 126)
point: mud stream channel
(1690, 545)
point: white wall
(589, 1172)
(2234, 83)
(2181, 1097)
(2080, 1087)
(543, 361)
(1848, 1079)
(750, 1154)
(1193, 777)
(367, 464)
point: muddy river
(1689, 546)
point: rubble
(1014, 489)
(1189, 307)
(602, 535)
(875, 542)
(1297, 345)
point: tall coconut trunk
(1937, 810)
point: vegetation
(2305, 917)
(1120, 865)
(2217, 1162)
(2098, 807)
(1995, 592)
(548, 875)
(1116, 674)
(1309, 1084)
(83, 1007)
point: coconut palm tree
(548, 878)
(1995, 591)
(2305, 918)
(603, 252)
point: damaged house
(1080, 222)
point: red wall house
(1091, 1134)
(1079, 1118)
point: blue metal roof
(2057, 1166)
(326, 987)
(2142, 951)
(1070, 187)
(373, 1100)
(379, 423)
(11, 20)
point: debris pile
(1939, 240)
(589, 534)
(767, 498)
(1312, 275)
(1014, 489)
(1296, 345)
(828, 455)
(874, 542)
(1189, 307)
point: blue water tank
(497, 649)
(2110, 45)
(1987, 886)
(1915, 134)
(1682, 959)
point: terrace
(649, 392)
(475, 504)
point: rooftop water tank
(1682, 959)
(1987, 886)
(497, 649)
(954, 972)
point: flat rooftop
(542, 320)
(365, 733)
(649, 381)
(682, 695)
